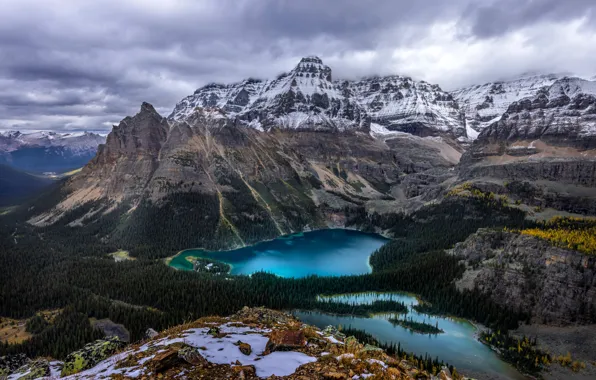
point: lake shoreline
(458, 344)
(328, 252)
(168, 259)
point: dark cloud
(71, 65)
(489, 19)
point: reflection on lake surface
(457, 345)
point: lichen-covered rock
(32, 370)
(90, 355)
(263, 315)
(334, 332)
(10, 363)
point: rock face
(557, 286)
(548, 140)
(563, 114)
(402, 104)
(484, 104)
(191, 352)
(308, 98)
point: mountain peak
(147, 107)
(308, 98)
(312, 67)
(312, 59)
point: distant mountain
(308, 98)
(485, 104)
(48, 151)
(543, 148)
(16, 185)
(562, 112)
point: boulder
(90, 355)
(165, 360)
(245, 348)
(150, 333)
(192, 356)
(285, 340)
(245, 371)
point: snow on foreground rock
(254, 343)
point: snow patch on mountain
(485, 104)
(564, 111)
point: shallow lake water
(457, 345)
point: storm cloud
(78, 65)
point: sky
(73, 65)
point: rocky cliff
(548, 141)
(250, 184)
(557, 286)
(255, 343)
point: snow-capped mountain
(77, 142)
(485, 104)
(308, 98)
(402, 104)
(563, 112)
(48, 151)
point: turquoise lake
(331, 252)
(457, 345)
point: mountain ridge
(308, 98)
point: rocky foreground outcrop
(557, 286)
(254, 343)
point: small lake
(457, 345)
(330, 252)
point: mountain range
(44, 151)
(303, 151)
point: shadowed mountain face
(16, 186)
